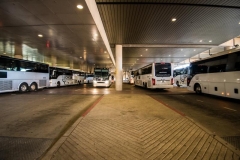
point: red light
(153, 81)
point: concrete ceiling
(144, 27)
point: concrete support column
(18, 51)
(53, 61)
(119, 79)
(71, 64)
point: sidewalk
(138, 127)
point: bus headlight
(106, 82)
(94, 81)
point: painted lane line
(230, 109)
(199, 100)
(90, 108)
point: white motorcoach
(155, 75)
(60, 77)
(218, 75)
(102, 77)
(180, 77)
(22, 75)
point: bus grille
(5, 85)
(42, 83)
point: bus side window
(237, 64)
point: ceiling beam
(171, 45)
(167, 3)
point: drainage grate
(23, 148)
(233, 140)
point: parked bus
(22, 75)
(102, 77)
(88, 78)
(60, 77)
(78, 77)
(218, 75)
(180, 77)
(155, 75)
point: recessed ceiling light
(210, 40)
(96, 35)
(137, 59)
(200, 41)
(239, 23)
(141, 55)
(146, 49)
(169, 55)
(40, 35)
(174, 19)
(80, 57)
(79, 6)
(4, 53)
(184, 55)
(181, 49)
(194, 50)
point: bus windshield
(162, 69)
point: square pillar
(119, 78)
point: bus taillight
(171, 81)
(153, 81)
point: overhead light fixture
(174, 19)
(94, 39)
(200, 41)
(169, 55)
(146, 49)
(181, 49)
(184, 55)
(79, 6)
(80, 57)
(40, 35)
(141, 55)
(210, 41)
(137, 59)
(194, 50)
(4, 53)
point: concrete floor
(35, 121)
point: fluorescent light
(79, 6)
(174, 19)
(40, 35)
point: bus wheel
(177, 83)
(33, 87)
(23, 87)
(198, 89)
(58, 84)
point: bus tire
(198, 89)
(33, 87)
(177, 83)
(145, 85)
(23, 87)
(58, 84)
